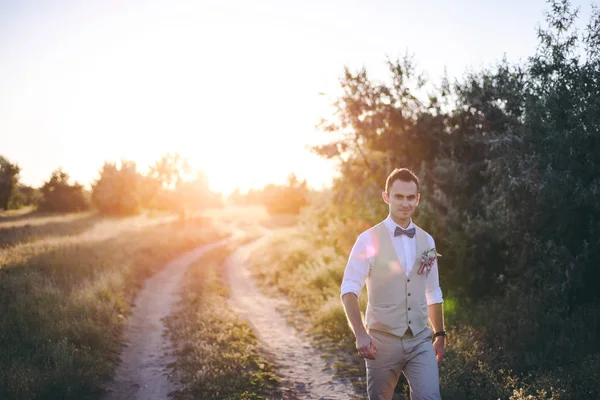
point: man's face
(402, 199)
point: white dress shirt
(362, 257)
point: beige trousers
(412, 355)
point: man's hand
(439, 344)
(365, 346)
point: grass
(64, 300)
(219, 356)
(27, 227)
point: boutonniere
(427, 259)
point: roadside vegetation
(64, 300)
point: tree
(59, 196)
(193, 196)
(510, 172)
(9, 179)
(286, 199)
(118, 190)
(25, 196)
(163, 178)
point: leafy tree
(277, 199)
(26, 196)
(9, 178)
(118, 190)
(162, 180)
(193, 196)
(286, 199)
(508, 159)
(59, 196)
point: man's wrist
(441, 333)
(360, 332)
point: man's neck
(404, 223)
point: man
(403, 294)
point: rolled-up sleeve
(359, 263)
(433, 292)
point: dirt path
(300, 366)
(142, 373)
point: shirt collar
(391, 225)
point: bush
(277, 199)
(59, 196)
(118, 191)
(509, 166)
(9, 179)
(26, 196)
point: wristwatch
(440, 333)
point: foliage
(278, 199)
(119, 189)
(509, 166)
(193, 196)
(9, 178)
(168, 187)
(25, 196)
(59, 196)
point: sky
(231, 85)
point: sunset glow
(232, 86)
(136, 83)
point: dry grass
(21, 241)
(64, 298)
(27, 227)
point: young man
(397, 261)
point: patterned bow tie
(408, 232)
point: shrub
(118, 190)
(59, 196)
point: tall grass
(63, 306)
(218, 356)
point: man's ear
(386, 197)
(418, 199)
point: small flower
(427, 259)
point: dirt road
(143, 371)
(142, 374)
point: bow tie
(408, 232)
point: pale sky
(232, 85)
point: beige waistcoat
(396, 302)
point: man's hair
(402, 174)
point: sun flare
(216, 93)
